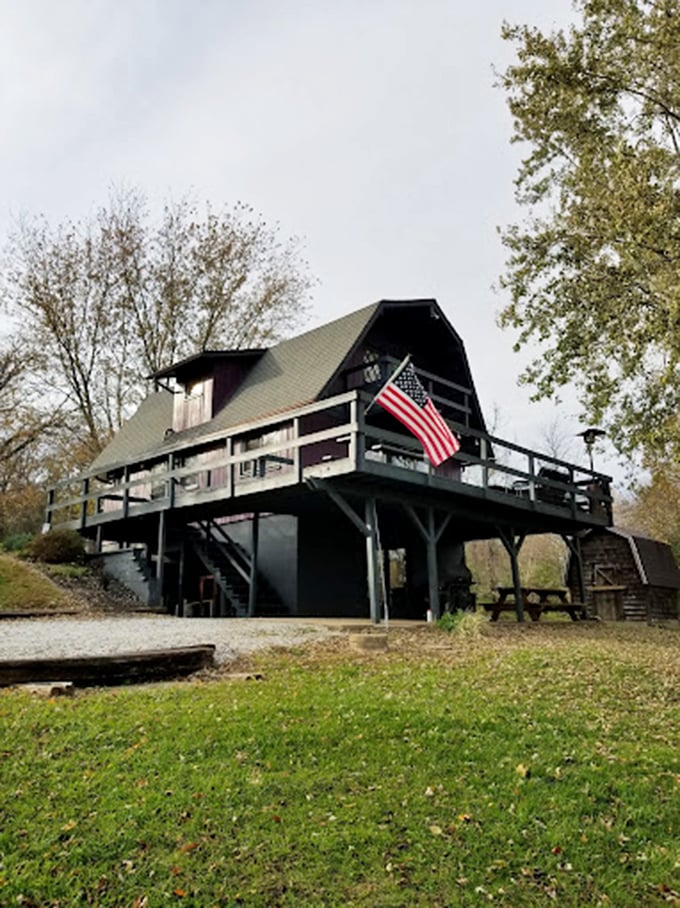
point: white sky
(370, 128)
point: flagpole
(400, 368)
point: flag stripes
(405, 398)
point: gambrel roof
(292, 373)
(654, 559)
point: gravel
(96, 636)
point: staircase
(230, 565)
(129, 568)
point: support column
(431, 534)
(180, 581)
(372, 561)
(83, 506)
(512, 547)
(255, 544)
(574, 546)
(432, 566)
(160, 562)
(368, 529)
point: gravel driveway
(64, 637)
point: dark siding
(332, 567)
(228, 376)
(277, 553)
(608, 559)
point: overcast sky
(370, 128)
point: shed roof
(654, 559)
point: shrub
(467, 624)
(16, 542)
(58, 547)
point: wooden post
(484, 457)
(98, 542)
(532, 478)
(255, 544)
(297, 451)
(229, 447)
(358, 440)
(126, 491)
(171, 480)
(432, 567)
(574, 546)
(84, 502)
(512, 547)
(160, 562)
(517, 583)
(180, 581)
(50, 508)
(372, 567)
(431, 534)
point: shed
(627, 575)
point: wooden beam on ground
(109, 670)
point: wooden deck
(490, 482)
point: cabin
(628, 576)
(269, 482)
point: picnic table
(536, 600)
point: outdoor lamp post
(589, 437)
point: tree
(593, 273)
(27, 429)
(655, 507)
(105, 302)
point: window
(194, 406)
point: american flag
(406, 399)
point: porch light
(589, 437)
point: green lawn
(532, 766)
(24, 587)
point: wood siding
(608, 560)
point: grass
(24, 587)
(522, 766)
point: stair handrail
(226, 547)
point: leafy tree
(104, 302)
(593, 273)
(655, 507)
(27, 430)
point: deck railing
(324, 439)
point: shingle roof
(654, 559)
(141, 433)
(291, 374)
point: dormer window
(195, 405)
